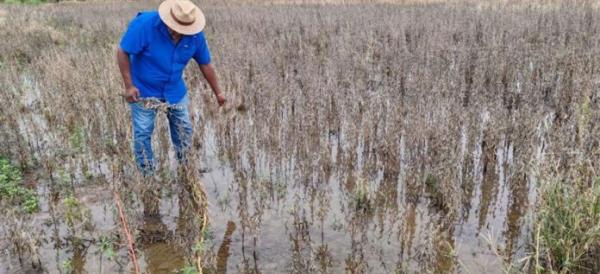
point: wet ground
(362, 158)
(267, 216)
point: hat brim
(164, 11)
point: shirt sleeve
(134, 39)
(202, 54)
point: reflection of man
(153, 53)
(223, 253)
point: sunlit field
(371, 137)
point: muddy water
(273, 213)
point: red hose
(130, 241)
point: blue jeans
(143, 119)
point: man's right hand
(132, 94)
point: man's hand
(132, 94)
(221, 100)
(211, 76)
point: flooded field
(272, 214)
(357, 139)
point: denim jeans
(143, 120)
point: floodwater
(325, 201)
(274, 214)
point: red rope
(130, 241)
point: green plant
(189, 269)
(67, 265)
(77, 139)
(63, 182)
(73, 213)
(568, 228)
(207, 233)
(362, 196)
(106, 247)
(12, 190)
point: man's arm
(131, 92)
(211, 76)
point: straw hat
(182, 16)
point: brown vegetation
(408, 130)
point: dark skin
(132, 94)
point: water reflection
(223, 252)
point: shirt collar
(158, 21)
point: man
(153, 53)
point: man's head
(182, 16)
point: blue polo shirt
(157, 63)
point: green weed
(77, 139)
(67, 265)
(189, 269)
(12, 191)
(106, 247)
(73, 212)
(362, 196)
(569, 231)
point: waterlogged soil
(356, 139)
(278, 220)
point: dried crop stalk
(200, 206)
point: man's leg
(180, 126)
(143, 126)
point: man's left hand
(221, 100)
